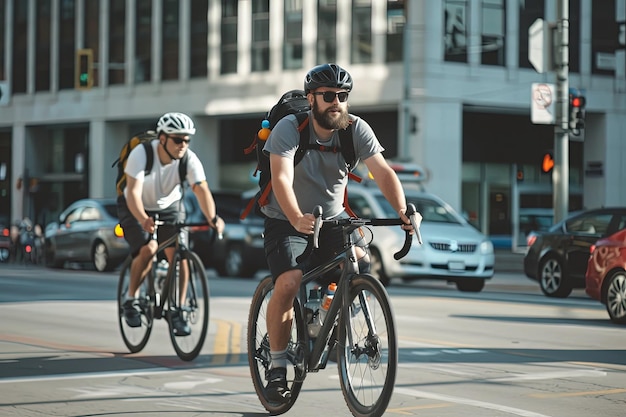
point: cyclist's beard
(326, 121)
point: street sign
(540, 46)
(5, 94)
(542, 108)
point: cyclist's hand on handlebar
(305, 224)
(219, 227)
(407, 222)
(148, 225)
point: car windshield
(430, 210)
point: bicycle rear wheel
(194, 308)
(367, 349)
(259, 358)
(135, 338)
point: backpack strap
(147, 145)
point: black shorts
(133, 231)
(283, 245)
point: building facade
(455, 98)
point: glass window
(574, 35)
(361, 32)
(260, 48)
(493, 31)
(529, 11)
(67, 46)
(20, 29)
(2, 19)
(456, 29)
(169, 38)
(292, 44)
(360, 206)
(396, 20)
(143, 41)
(42, 57)
(604, 37)
(91, 30)
(90, 213)
(117, 36)
(327, 31)
(590, 223)
(198, 39)
(228, 42)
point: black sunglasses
(329, 96)
(177, 140)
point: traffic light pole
(560, 173)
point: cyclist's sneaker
(276, 389)
(180, 326)
(131, 313)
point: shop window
(604, 37)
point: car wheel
(377, 268)
(470, 285)
(552, 279)
(234, 265)
(100, 257)
(615, 297)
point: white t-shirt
(161, 187)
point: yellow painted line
(580, 393)
(227, 345)
(406, 410)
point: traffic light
(547, 163)
(576, 111)
(83, 79)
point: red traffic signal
(547, 163)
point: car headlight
(486, 247)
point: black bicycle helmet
(327, 75)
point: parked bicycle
(163, 293)
(358, 327)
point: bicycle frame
(348, 259)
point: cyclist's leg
(282, 246)
(142, 249)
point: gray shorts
(133, 231)
(283, 245)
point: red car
(605, 279)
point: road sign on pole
(542, 108)
(540, 46)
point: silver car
(85, 232)
(452, 249)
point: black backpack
(293, 102)
(145, 139)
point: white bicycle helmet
(175, 124)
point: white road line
(466, 401)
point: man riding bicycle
(160, 192)
(319, 179)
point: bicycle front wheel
(367, 350)
(135, 338)
(259, 358)
(190, 301)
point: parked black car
(240, 253)
(558, 258)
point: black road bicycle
(163, 294)
(358, 329)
